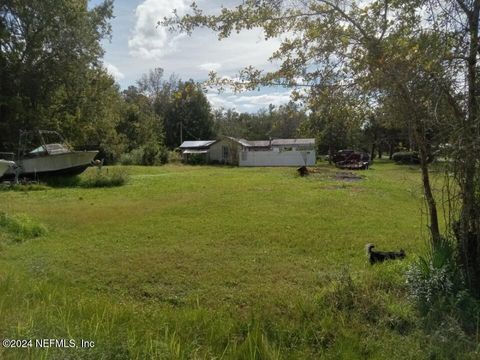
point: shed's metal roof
(195, 151)
(196, 144)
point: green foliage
(437, 286)
(134, 157)
(196, 159)
(174, 157)
(50, 71)
(182, 106)
(113, 267)
(188, 113)
(150, 154)
(105, 177)
(92, 178)
(21, 227)
(282, 122)
(23, 187)
(406, 157)
(143, 130)
(153, 154)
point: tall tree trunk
(427, 189)
(469, 222)
(417, 134)
(330, 154)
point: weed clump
(449, 313)
(105, 178)
(21, 227)
(23, 187)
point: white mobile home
(273, 152)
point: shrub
(174, 157)
(105, 178)
(437, 287)
(149, 154)
(197, 159)
(406, 157)
(434, 277)
(134, 157)
(21, 226)
(22, 187)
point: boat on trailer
(44, 153)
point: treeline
(335, 126)
(52, 77)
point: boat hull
(72, 163)
(5, 166)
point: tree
(140, 124)
(50, 66)
(182, 106)
(335, 120)
(188, 115)
(282, 122)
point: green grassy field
(217, 262)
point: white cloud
(211, 66)
(150, 41)
(276, 98)
(114, 71)
(218, 101)
(247, 102)
(139, 45)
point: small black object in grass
(303, 171)
(381, 256)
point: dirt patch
(334, 187)
(353, 189)
(347, 176)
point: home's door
(225, 153)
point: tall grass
(92, 178)
(21, 226)
(222, 263)
(107, 177)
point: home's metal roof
(290, 142)
(201, 144)
(242, 142)
(260, 143)
(196, 144)
(282, 142)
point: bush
(196, 159)
(23, 187)
(134, 157)
(105, 178)
(174, 157)
(406, 157)
(21, 226)
(434, 278)
(149, 154)
(437, 287)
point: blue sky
(137, 45)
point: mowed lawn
(207, 262)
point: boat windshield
(51, 149)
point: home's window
(225, 152)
